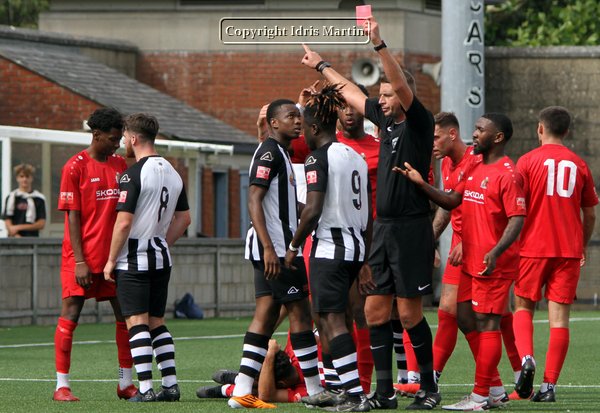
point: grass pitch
(27, 377)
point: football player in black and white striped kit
(338, 210)
(273, 209)
(153, 213)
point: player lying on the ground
(280, 379)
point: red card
(362, 12)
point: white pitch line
(571, 386)
(27, 345)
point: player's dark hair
(322, 107)
(446, 119)
(283, 367)
(410, 79)
(143, 124)
(556, 120)
(502, 122)
(105, 119)
(274, 106)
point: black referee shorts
(291, 285)
(142, 292)
(330, 282)
(401, 259)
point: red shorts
(487, 295)
(100, 289)
(559, 275)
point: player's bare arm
(455, 257)
(261, 124)
(440, 222)
(510, 234)
(392, 69)
(120, 234)
(353, 95)
(589, 220)
(447, 200)
(256, 194)
(308, 222)
(82, 271)
(181, 220)
(365, 276)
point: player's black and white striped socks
(164, 353)
(343, 353)
(253, 356)
(141, 350)
(305, 349)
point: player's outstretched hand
(410, 173)
(310, 59)
(261, 123)
(108, 271)
(365, 280)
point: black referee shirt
(410, 141)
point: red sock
(411, 358)
(557, 352)
(364, 357)
(523, 331)
(473, 340)
(123, 350)
(508, 336)
(229, 389)
(445, 339)
(63, 343)
(488, 357)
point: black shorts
(330, 282)
(142, 292)
(291, 285)
(401, 257)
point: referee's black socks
(422, 342)
(382, 341)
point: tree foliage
(543, 23)
(22, 13)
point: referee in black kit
(402, 253)
(153, 213)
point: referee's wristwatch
(292, 248)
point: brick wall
(28, 99)
(233, 86)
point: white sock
(477, 398)
(414, 377)
(497, 391)
(62, 380)
(145, 385)
(243, 385)
(313, 385)
(546, 386)
(224, 389)
(402, 375)
(125, 377)
(524, 359)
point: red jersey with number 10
(92, 188)
(557, 184)
(491, 195)
(451, 176)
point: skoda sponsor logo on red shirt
(104, 194)
(474, 196)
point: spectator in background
(25, 208)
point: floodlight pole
(463, 82)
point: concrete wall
(196, 269)
(522, 81)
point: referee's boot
(168, 394)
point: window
(59, 155)
(31, 153)
(221, 203)
(433, 5)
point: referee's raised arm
(353, 95)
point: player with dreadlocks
(338, 210)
